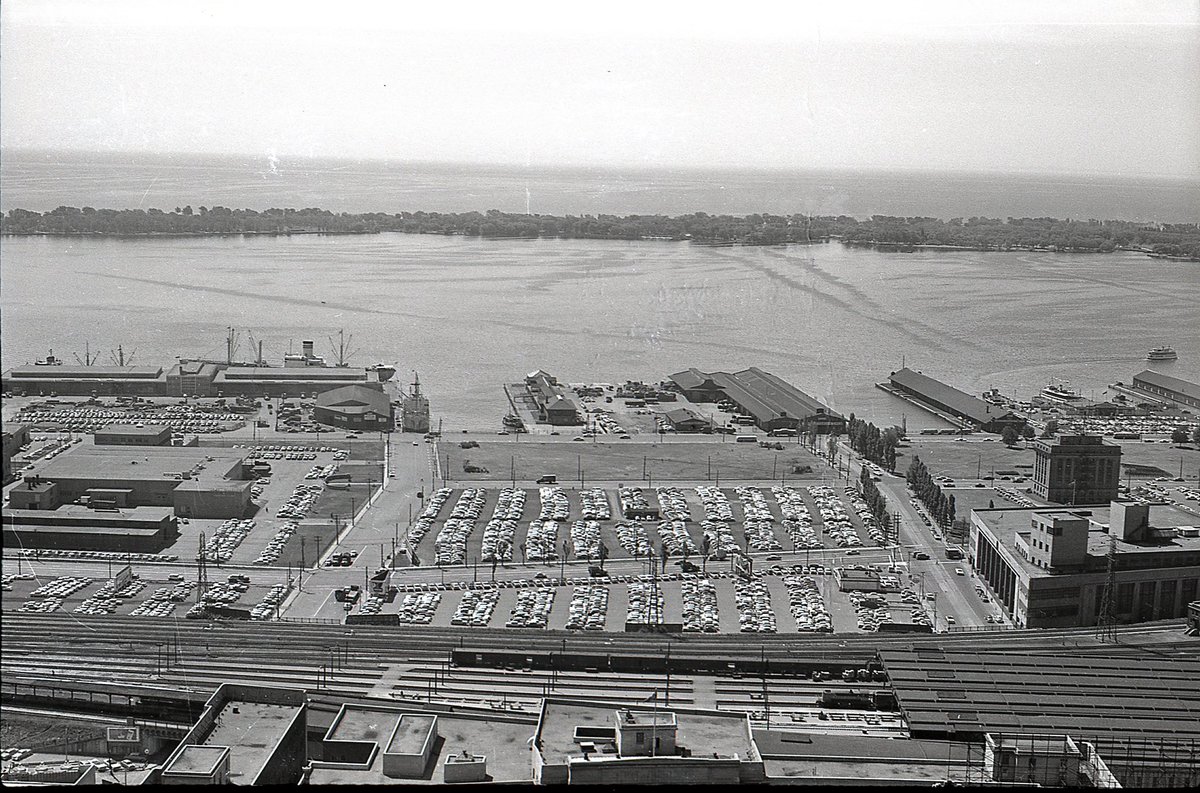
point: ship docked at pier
(414, 409)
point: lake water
(471, 314)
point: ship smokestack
(308, 348)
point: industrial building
(1076, 469)
(688, 420)
(1165, 386)
(355, 407)
(1049, 568)
(554, 404)
(81, 528)
(195, 482)
(136, 435)
(186, 378)
(597, 743)
(772, 402)
(1138, 712)
(246, 735)
(87, 380)
(15, 438)
(945, 398)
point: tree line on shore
(875, 501)
(899, 233)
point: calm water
(43, 181)
(472, 314)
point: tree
(705, 548)
(1009, 435)
(1179, 435)
(1027, 432)
(1051, 429)
(1196, 435)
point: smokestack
(308, 348)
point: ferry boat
(1060, 394)
(1162, 354)
(513, 422)
(414, 409)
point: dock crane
(118, 357)
(88, 359)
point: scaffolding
(1078, 761)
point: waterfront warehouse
(983, 415)
(772, 402)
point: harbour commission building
(1048, 567)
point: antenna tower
(201, 570)
(1107, 617)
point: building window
(639, 737)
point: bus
(954, 552)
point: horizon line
(607, 167)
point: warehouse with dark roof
(1174, 389)
(983, 415)
(773, 402)
(355, 407)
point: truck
(548, 479)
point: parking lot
(467, 525)
(778, 599)
(155, 595)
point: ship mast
(342, 346)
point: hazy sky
(1071, 87)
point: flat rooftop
(133, 429)
(1007, 523)
(140, 463)
(411, 734)
(87, 372)
(251, 735)
(702, 733)
(196, 760)
(503, 742)
(80, 512)
(364, 724)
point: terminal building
(947, 399)
(772, 402)
(87, 380)
(1076, 469)
(554, 404)
(1158, 385)
(16, 437)
(81, 528)
(194, 482)
(1048, 567)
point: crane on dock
(88, 359)
(342, 348)
(118, 357)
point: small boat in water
(1162, 354)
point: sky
(1070, 87)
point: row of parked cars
(476, 608)
(274, 547)
(541, 541)
(874, 531)
(807, 605)
(588, 609)
(716, 505)
(554, 504)
(418, 608)
(672, 504)
(532, 609)
(675, 538)
(103, 556)
(645, 604)
(225, 540)
(266, 607)
(755, 614)
(836, 521)
(595, 504)
(585, 539)
(633, 538)
(700, 612)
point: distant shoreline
(1180, 241)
